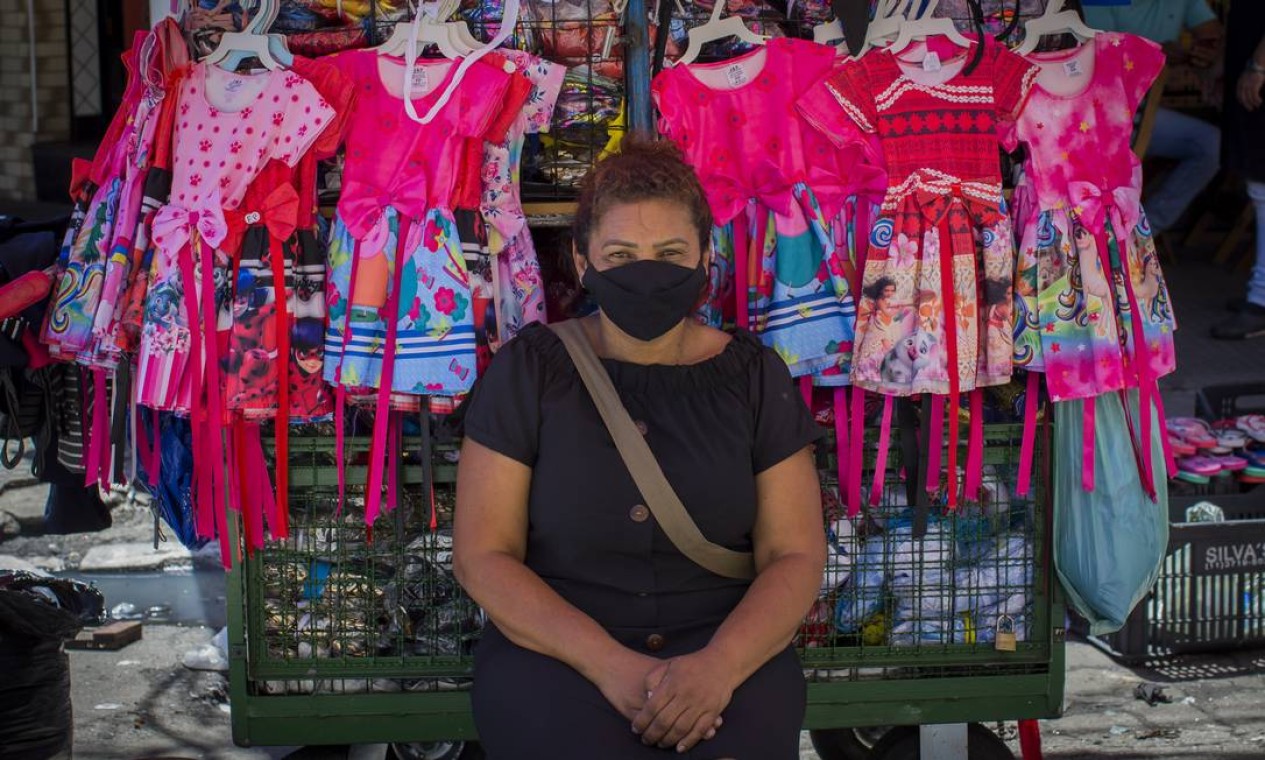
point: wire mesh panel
(899, 597)
(339, 610)
(341, 607)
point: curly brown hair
(643, 170)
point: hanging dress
(77, 294)
(400, 313)
(942, 238)
(775, 268)
(1094, 311)
(228, 127)
(519, 287)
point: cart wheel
(437, 751)
(902, 743)
(847, 743)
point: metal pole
(637, 67)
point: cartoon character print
(910, 358)
(999, 305)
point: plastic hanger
(831, 31)
(459, 36)
(888, 16)
(509, 21)
(1055, 20)
(253, 42)
(927, 25)
(718, 28)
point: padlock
(1004, 639)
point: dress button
(655, 642)
(639, 513)
(641, 427)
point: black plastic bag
(37, 613)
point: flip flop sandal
(1190, 477)
(1200, 465)
(1251, 479)
(1219, 451)
(1253, 425)
(1230, 439)
(1254, 472)
(1180, 447)
(1230, 463)
(1193, 430)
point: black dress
(713, 426)
(1243, 131)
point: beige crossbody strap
(641, 463)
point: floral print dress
(777, 269)
(398, 284)
(1094, 311)
(519, 289)
(1082, 230)
(936, 286)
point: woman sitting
(605, 640)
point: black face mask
(645, 298)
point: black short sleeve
(503, 411)
(783, 423)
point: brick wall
(52, 90)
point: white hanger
(459, 37)
(888, 16)
(253, 41)
(718, 28)
(1055, 20)
(824, 34)
(509, 20)
(928, 25)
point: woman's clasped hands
(685, 697)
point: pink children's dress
(519, 289)
(1094, 312)
(228, 126)
(401, 321)
(114, 207)
(934, 306)
(1084, 241)
(777, 270)
(942, 236)
(398, 184)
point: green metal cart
(342, 634)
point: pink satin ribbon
(975, 448)
(393, 460)
(1087, 446)
(1027, 448)
(935, 444)
(842, 454)
(97, 456)
(857, 450)
(880, 463)
(742, 288)
(1148, 388)
(340, 390)
(377, 451)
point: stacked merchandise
(205, 296)
(861, 231)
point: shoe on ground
(1236, 304)
(1249, 323)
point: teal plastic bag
(1108, 544)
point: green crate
(339, 634)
